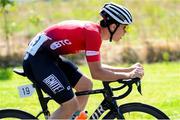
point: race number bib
(26, 90)
(36, 43)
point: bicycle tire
(138, 107)
(15, 113)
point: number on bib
(36, 43)
(26, 90)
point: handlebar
(129, 83)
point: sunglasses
(127, 28)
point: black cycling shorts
(56, 77)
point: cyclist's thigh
(51, 78)
(71, 70)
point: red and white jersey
(73, 36)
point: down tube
(100, 110)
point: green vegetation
(5, 74)
(160, 87)
(152, 19)
(4, 5)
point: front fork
(107, 105)
(115, 109)
(111, 102)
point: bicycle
(109, 103)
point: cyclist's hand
(136, 65)
(137, 73)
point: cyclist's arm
(100, 73)
(115, 69)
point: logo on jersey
(53, 83)
(60, 43)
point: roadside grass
(160, 87)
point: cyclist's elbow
(96, 75)
(96, 70)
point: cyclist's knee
(89, 84)
(84, 84)
(73, 104)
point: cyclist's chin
(118, 39)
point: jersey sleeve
(93, 43)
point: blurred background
(153, 39)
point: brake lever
(138, 84)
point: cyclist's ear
(112, 26)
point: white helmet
(118, 13)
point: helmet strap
(112, 32)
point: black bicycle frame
(43, 102)
(109, 101)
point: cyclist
(43, 62)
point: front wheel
(138, 111)
(15, 114)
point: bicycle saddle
(19, 71)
